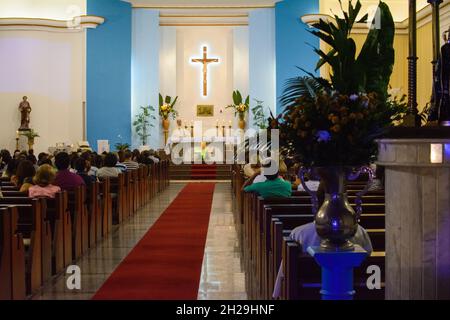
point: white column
(145, 69)
(417, 218)
(262, 58)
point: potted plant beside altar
(240, 107)
(142, 124)
(166, 110)
(331, 126)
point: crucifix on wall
(205, 61)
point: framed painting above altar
(205, 110)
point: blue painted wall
(108, 78)
(291, 38)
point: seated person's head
(80, 165)
(62, 161)
(270, 169)
(12, 167)
(32, 158)
(110, 160)
(41, 157)
(98, 161)
(44, 176)
(128, 155)
(46, 161)
(121, 156)
(25, 169)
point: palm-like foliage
(370, 71)
(142, 123)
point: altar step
(200, 172)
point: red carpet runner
(166, 263)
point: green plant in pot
(142, 123)
(240, 107)
(331, 126)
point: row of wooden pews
(40, 237)
(264, 226)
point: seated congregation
(275, 220)
(54, 208)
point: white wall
(262, 58)
(145, 69)
(240, 60)
(49, 69)
(180, 77)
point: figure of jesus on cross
(205, 61)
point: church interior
(225, 150)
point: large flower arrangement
(333, 129)
(240, 106)
(336, 122)
(166, 107)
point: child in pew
(43, 186)
(24, 175)
(273, 187)
(307, 236)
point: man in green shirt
(273, 187)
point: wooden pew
(29, 227)
(303, 215)
(76, 205)
(12, 263)
(303, 276)
(60, 220)
(118, 198)
(93, 211)
(106, 206)
(45, 233)
(282, 225)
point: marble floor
(222, 276)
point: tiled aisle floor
(101, 261)
(222, 277)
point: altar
(198, 150)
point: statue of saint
(25, 110)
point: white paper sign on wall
(102, 146)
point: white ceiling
(203, 3)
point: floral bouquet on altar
(240, 106)
(166, 107)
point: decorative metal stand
(413, 118)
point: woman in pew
(43, 180)
(24, 175)
(11, 168)
(5, 157)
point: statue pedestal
(337, 271)
(417, 184)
